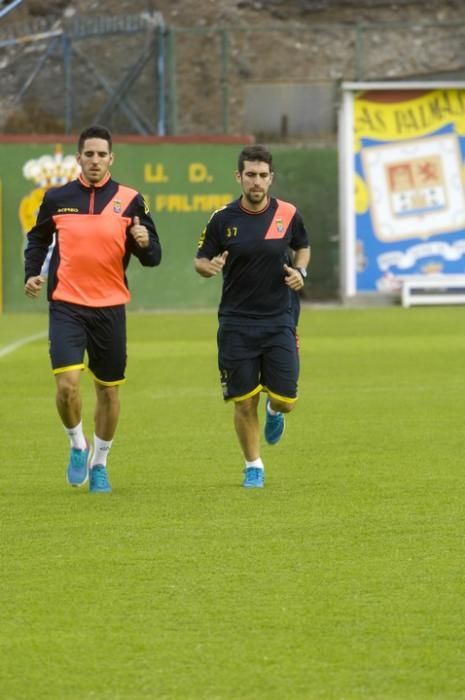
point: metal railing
(8, 7)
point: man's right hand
(33, 286)
(218, 262)
(210, 268)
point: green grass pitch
(344, 579)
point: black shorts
(253, 359)
(75, 329)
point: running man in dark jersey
(260, 246)
(96, 225)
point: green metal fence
(148, 77)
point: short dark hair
(96, 131)
(254, 153)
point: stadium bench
(432, 289)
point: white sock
(76, 437)
(100, 451)
(257, 463)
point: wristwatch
(303, 272)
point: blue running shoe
(77, 473)
(254, 478)
(99, 480)
(274, 426)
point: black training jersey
(258, 247)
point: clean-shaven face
(255, 181)
(95, 159)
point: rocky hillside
(186, 64)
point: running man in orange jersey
(97, 224)
(260, 246)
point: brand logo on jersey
(224, 381)
(117, 206)
(202, 237)
(67, 210)
(280, 225)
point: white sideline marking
(19, 343)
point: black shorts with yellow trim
(101, 332)
(253, 359)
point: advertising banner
(182, 183)
(403, 184)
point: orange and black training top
(93, 245)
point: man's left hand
(293, 278)
(139, 233)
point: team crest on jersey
(279, 225)
(117, 206)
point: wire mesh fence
(143, 76)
